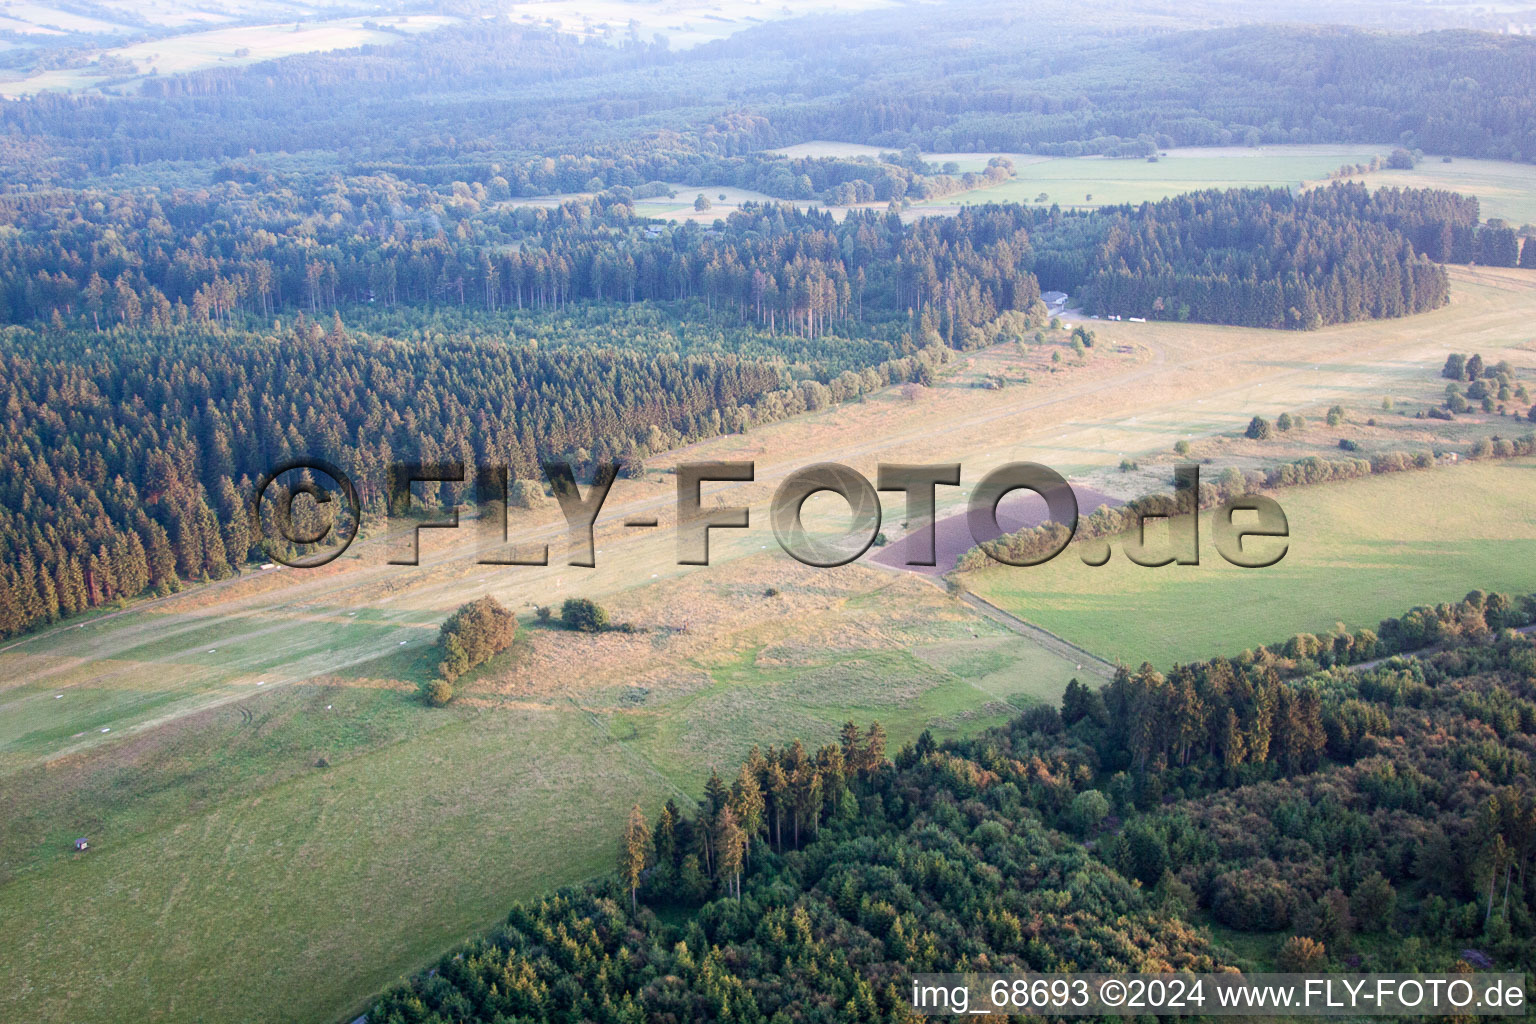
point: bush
(583, 615)
(1284, 422)
(438, 692)
(1335, 415)
(1301, 955)
(1348, 445)
(473, 635)
(544, 612)
(1258, 429)
(525, 494)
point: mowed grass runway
(1359, 551)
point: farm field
(682, 23)
(223, 47)
(1071, 180)
(1504, 189)
(211, 820)
(1375, 546)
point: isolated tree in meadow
(1283, 423)
(632, 847)
(1335, 415)
(1258, 429)
(702, 203)
(1455, 367)
(474, 634)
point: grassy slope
(232, 879)
(1359, 551)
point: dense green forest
(1255, 257)
(1378, 819)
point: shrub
(1258, 429)
(1348, 445)
(1301, 955)
(438, 692)
(525, 494)
(1335, 415)
(583, 615)
(1284, 422)
(1181, 447)
(544, 612)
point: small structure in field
(81, 845)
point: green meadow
(1373, 547)
(324, 838)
